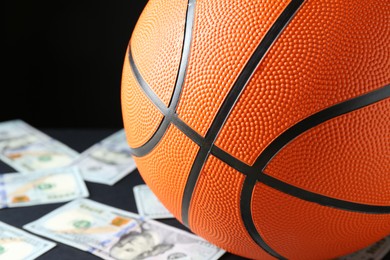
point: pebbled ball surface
(303, 230)
(326, 55)
(165, 169)
(332, 51)
(225, 36)
(141, 117)
(346, 157)
(156, 44)
(216, 215)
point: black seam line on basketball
(351, 105)
(188, 131)
(157, 135)
(250, 180)
(281, 141)
(145, 86)
(168, 112)
(230, 160)
(250, 226)
(190, 16)
(295, 191)
(227, 105)
(303, 126)
(245, 202)
(318, 118)
(321, 199)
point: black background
(63, 61)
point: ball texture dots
(264, 125)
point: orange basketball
(264, 125)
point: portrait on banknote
(114, 234)
(152, 241)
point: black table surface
(119, 195)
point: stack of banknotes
(48, 171)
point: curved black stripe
(184, 54)
(188, 131)
(319, 118)
(293, 190)
(226, 108)
(145, 86)
(246, 214)
(320, 199)
(153, 141)
(231, 160)
(256, 173)
(156, 137)
(304, 125)
(168, 112)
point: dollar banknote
(17, 244)
(111, 233)
(108, 161)
(376, 251)
(27, 149)
(41, 187)
(148, 205)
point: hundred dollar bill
(148, 204)
(27, 149)
(376, 251)
(42, 187)
(111, 233)
(17, 244)
(108, 161)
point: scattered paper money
(43, 187)
(148, 204)
(112, 233)
(376, 251)
(16, 244)
(27, 149)
(108, 161)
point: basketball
(264, 125)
